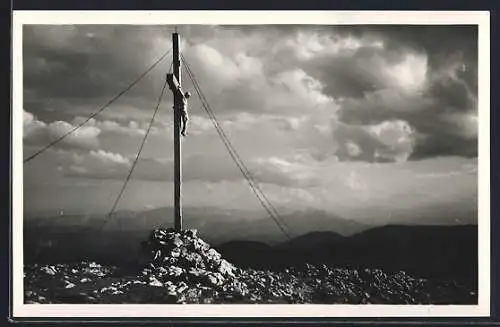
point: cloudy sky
(361, 121)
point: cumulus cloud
(100, 164)
(97, 164)
(337, 115)
(39, 133)
(441, 125)
(397, 79)
(302, 87)
(283, 171)
(365, 75)
(368, 69)
(386, 142)
(109, 158)
(130, 128)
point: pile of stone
(189, 268)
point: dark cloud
(441, 144)
(436, 40)
(440, 129)
(440, 43)
(452, 94)
(65, 66)
(71, 70)
(345, 77)
(450, 90)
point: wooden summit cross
(180, 102)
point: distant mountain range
(438, 251)
(74, 236)
(215, 225)
(317, 237)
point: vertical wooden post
(177, 143)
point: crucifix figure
(184, 113)
(180, 101)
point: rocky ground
(182, 268)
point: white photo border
(480, 18)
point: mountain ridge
(436, 250)
(238, 224)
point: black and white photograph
(279, 164)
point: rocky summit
(179, 267)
